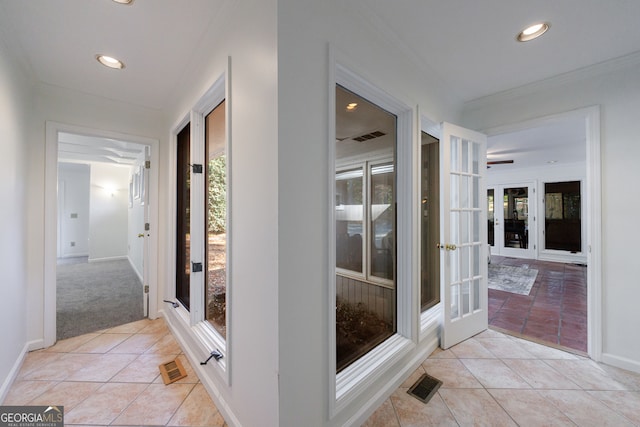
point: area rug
(97, 295)
(517, 280)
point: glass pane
(382, 254)
(429, 222)
(476, 226)
(476, 260)
(455, 293)
(183, 216)
(475, 191)
(455, 154)
(454, 265)
(490, 216)
(216, 217)
(464, 262)
(464, 192)
(464, 227)
(475, 158)
(476, 294)
(464, 152)
(466, 297)
(454, 224)
(563, 222)
(516, 217)
(349, 219)
(365, 226)
(454, 191)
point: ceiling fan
(498, 162)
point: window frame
(194, 319)
(356, 378)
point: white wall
(73, 209)
(306, 29)
(616, 88)
(16, 104)
(108, 218)
(246, 32)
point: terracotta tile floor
(112, 378)
(495, 379)
(555, 311)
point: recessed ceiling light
(552, 162)
(352, 106)
(123, 1)
(533, 31)
(109, 61)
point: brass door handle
(448, 246)
(140, 234)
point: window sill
(369, 368)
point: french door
(511, 220)
(463, 244)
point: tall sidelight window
(429, 221)
(365, 215)
(183, 216)
(216, 219)
(562, 222)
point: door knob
(450, 247)
(140, 234)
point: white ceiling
(75, 148)
(470, 44)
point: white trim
(52, 129)
(195, 325)
(591, 116)
(360, 375)
(621, 362)
(13, 373)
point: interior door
(463, 234)
(511, 220)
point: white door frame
(591, 116)
(53, 129)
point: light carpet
(95, 296)
(517, 280)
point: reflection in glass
(516, 217)
(183, 216)
(429, 222)
(563, 224)
(365, 226)
(216, 217)
(349, 215)
(490, 215)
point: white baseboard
(13, 373)
(133, 266)
(35, 345)
(621, 362)
(113, 258)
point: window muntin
(365, 215)
(216, 220)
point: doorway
(560, 148)
(83, 224)
(102, 207)
(511, 220)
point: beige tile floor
(112, 378)
(494, 379)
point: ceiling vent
(368, 136)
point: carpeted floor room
(92, 296)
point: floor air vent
(425, 388)
(172, 371)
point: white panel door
(463, 234)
